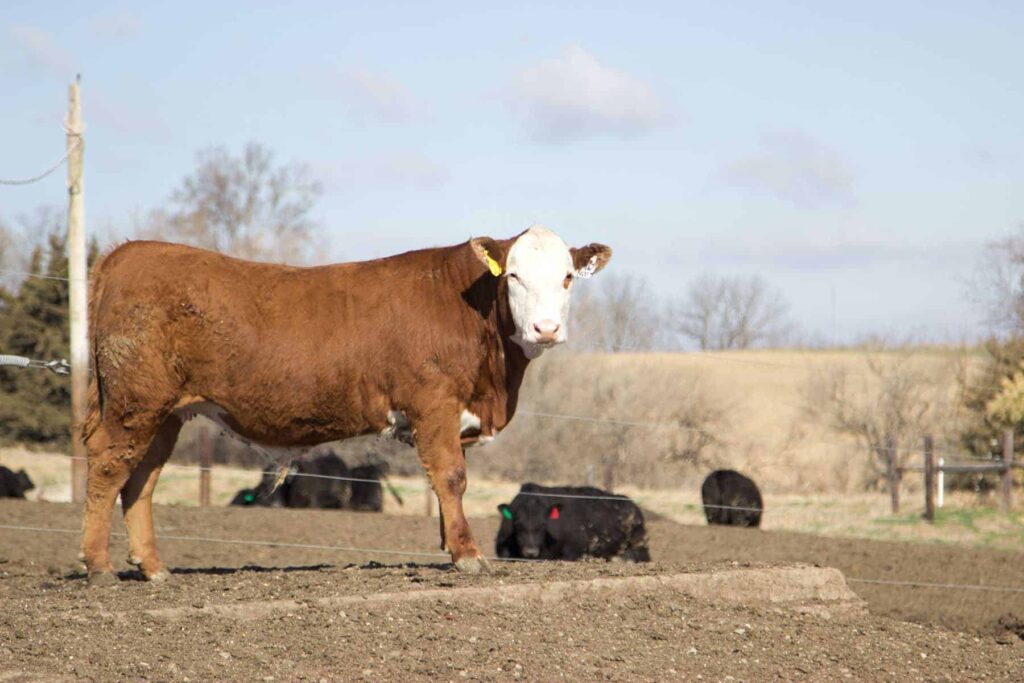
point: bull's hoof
(161, 576)
(472, 565)
(102, 579)
(81, 556)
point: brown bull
(429, 345)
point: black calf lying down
(14, 484)
(325, 485)
(565, 524)
(731, 498)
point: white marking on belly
(398, 427)
(468, 421)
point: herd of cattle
(541, 522)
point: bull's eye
(513, 276)
(567, 281)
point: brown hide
(299, 356)
(296, 357)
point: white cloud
(797, 168)
(376, 96)
(574, 96)
(42, 51)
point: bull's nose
(531, 553)
(547, 331)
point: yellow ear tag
(492, 264)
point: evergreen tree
(35, 405)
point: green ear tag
(249, 498)
(506, 513)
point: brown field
(238, 612)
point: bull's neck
(515, 358)
(487, 295)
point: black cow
(731, 498)
(367, 495)
(324, 486)
(323, 482)
(265, 494)
(570, 523)
(14, 484)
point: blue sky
(858, 152)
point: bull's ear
(505, 511)
(490, 253)
(590, 259)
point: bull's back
(255, 338)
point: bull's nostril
(546, 328)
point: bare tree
(651, 421)
(729, 313)
(894, 393)
(242, 205)
(998, 283)
(617, 313)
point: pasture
(290, 621)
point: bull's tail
(94, 410)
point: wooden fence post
(929, 479)
(609, 473)
(1008, 471)
(205, 463)
(893, 474)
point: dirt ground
(54, 627)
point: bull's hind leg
(113, 453)
(137, 501)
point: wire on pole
(48, 171)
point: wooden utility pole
(78, 287)
(929, 480)
(1008, 472)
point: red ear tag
(554, 513)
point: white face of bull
(540, 273)
(540, 269)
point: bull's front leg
(440, 450)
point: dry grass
(754, 403)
